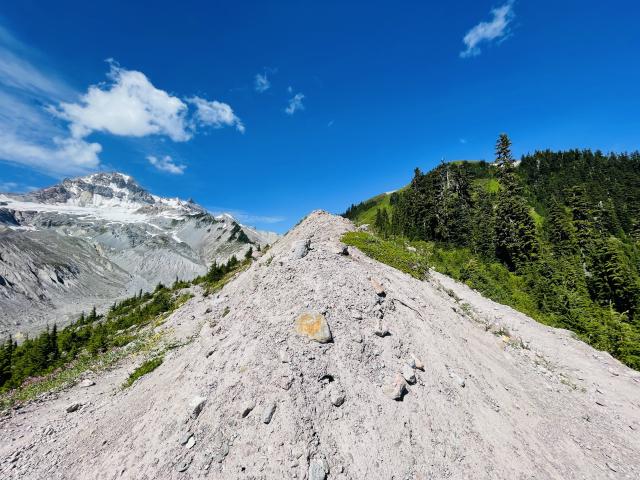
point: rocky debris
(300, 248)
(458, 379)
(337, 397)
(267, 413)
(185, 438)
(72, 407)
(196, 405)
(49, 430)
(409, 374)
(246, 408)
(183, 466)
(314, 326)
(87, 382)
(377, 287)
(191, 442)
(339, 249)
(381, 330)
(318, 469)
(397, 389)
(416, 363)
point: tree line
(566, 225)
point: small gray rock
(268, 412)
(184, 465)
(73, 407)
(397, 389)
(185, 438)
(247, 408)
(195, 406)
(86, 383)
(318, 469)
(337, 397)
(300, 248)
(409, 374)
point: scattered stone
(458, 379)
(416, 363)
(601, 403)
(195, 406)
(612, 467)
(73, 407)
(284, 356)
(381, 330)
(377, 287)
(314, 326)
(48, 430)
(185, 438)
(318, 469)
(409, 374)
(268, 412)
(339, 249)
(247, 407)
(337, 397)
(86, 383)
(356, 315)
(184, 465)
(397, 389)
(411, 249)
(191, 442)
(300, 248)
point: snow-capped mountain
(90, 240)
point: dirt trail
(500, 396)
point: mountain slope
(246, 393)
(556, 235)
(103, 222)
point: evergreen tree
(516, 242)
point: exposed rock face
(94, 239)
(524, 413)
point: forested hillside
(555, 235)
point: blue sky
(272, 109)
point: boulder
(314, 326)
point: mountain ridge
(56, 238)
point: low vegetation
(57, 357)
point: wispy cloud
(215, 114)
(487, 32)
(54, 139)
(166, 164)
(463, 141)
(261, 83)
(295, 103)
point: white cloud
(463, 141)
(128, 106)
(488, 31)
(62, 156)
(166, 164)
(215, 114)
(262, 83)
(295, 104)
